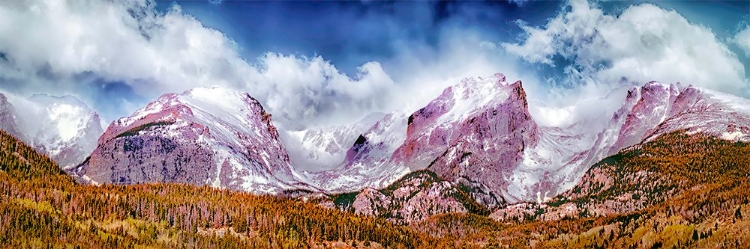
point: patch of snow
(70, 120)
(88, 180)
(324, 148)
(470, 96)
(736, 135)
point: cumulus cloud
(303, 89)
(123, 54)
(742, 39)
(54, 43)
(423, 74)
(642, 43)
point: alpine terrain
(62, 127)
(470, 168)
(205, 136)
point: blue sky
(350, 33)
(322, 63)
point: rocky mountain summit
(495, 152)
(205, 136)
(475, 148)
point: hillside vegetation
(40, 205)
(678, 191)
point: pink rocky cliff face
(204, 136)
(479, 133)
(474, 133)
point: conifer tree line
(677, 191)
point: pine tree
(738, 213)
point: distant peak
(498, 77)
(46, 99)
(517, 84)
(655, 85)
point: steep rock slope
(321, 148)
(475, 133)
(413, 198)
(479, 133)
(205, 136)
(367, 161)
(647, 112)
(9, 119)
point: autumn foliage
(677, 191)
(41, 206)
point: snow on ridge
(62, 127)
(324, 148)
(732, 101)
(473, 94)
(70, 120)
(227, 131)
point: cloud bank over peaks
(119, 55)
(643, 43)
(58, 44)
(311, 89)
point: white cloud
(742, 39)
(643, 43)
(301, 89)
(422, 74)
(156, 53)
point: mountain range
(476, 145)
(473, 167)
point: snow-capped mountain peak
(479, 133)
(461, 100)
(204, 136)
(62, 127)
(324, 148)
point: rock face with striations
(205, 136)
(474, 133)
